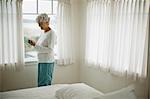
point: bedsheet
(46, 92)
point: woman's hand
(31, 42)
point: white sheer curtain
(65, 39)
(117, 36)
(11, 36)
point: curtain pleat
(11, 36)
(116, 36)
(64, 31)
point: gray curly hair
(42, 18)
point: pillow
(77, 91)
(125, 93)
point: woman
(45, 48)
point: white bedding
(47, 92)
(68, 91)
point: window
(31, 8)
(116, 36)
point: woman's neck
(48, 29)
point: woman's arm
(41, 49)
(51, 42)
(31, 42)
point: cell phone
(29, 41)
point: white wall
(103, 81)
(0, 85)
(0, 81)
(19, 79)
(28, 77)
(62, 74)
(106, 82)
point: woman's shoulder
(51, 33)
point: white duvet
(69, 91)
(47, 92)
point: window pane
(29, 6)
(45, 6)
(31, 30)
(55, 3)
(30, 26)
(53, 22)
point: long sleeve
(51, 39)
(45, 47)
(41, 49)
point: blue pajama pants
(45, 74)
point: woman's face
(44, 25)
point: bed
(47, 92)
(68, 91)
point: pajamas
(45, 74)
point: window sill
(31, 58)
(31, 61)
(34, 61)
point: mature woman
(45, 49)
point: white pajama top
(45, 47)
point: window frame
(37, 8)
